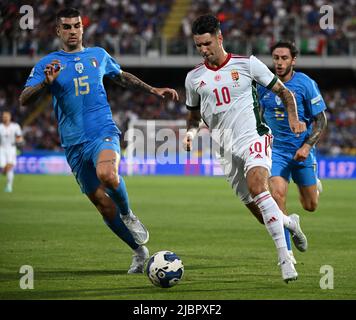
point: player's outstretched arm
(128, 80)
(288, 100)
(193, 122)
(319, 125)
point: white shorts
(257, 153)
(7, 156)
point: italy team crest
(235, 75)
(94, 62)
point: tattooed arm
(128, 80)
(288, 100)
(318, 127)
(31, 94)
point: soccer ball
(165, 269)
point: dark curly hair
(67, 13)
(206, 24)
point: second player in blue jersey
(293, 157)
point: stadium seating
(122, 27)
(130, 27)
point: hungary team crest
(235, 75)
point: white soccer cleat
(299, 239)
(288, 271)
(292, 258)
(319, 186)
(137, 229)
(138, 261)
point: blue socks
(287, 236)
(120, 197)
(119, 228)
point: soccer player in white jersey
(10, 135)
(221, 92)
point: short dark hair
(67, 13)
(206, 24)
(286, 44)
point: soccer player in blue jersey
(293, 157)
(91, 140)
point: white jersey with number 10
(226, 96)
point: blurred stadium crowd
(261, 22)
(106, 23)
(126, 26)
(121, 26)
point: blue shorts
(82, 159)
(303, 173)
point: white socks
(274, 221)
(10, 178)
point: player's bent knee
(257, 189)
(278, 196)
(257, 180)
(108, 178)
(255, 185)
(310, 206)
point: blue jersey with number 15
(79, 98)
(309, 103)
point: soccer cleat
(292, 258)
(299, 239)
(288, 271)
(137, 229)
(319, 186)
(138, 261)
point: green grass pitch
(48, 224)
